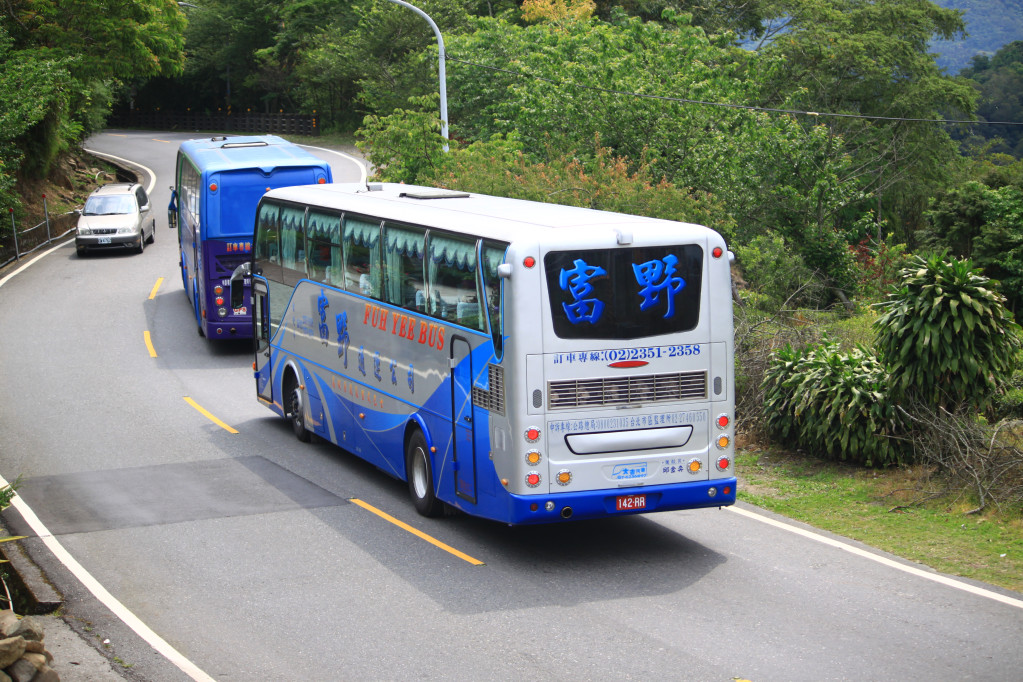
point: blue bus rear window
(624, 293)
(240, 191)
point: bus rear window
(624, 293)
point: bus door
(461, 414)
(261, 340)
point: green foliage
(985, 223)
(776, 274)
(604, 182)
(835, 404)
(405, 146)
(33, 98)
(999, 80)
(872, 59)
(945, 336)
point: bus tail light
(717, 252)
(723, 421)
(723, 463)
(532, 434)
(694, 466)
(533, 479)
(533, 457)
(564, 477)
(723, 442)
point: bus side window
(451, 280)
(493, 256)
(362, 257)
(323, 235)
(267, 252)
(403, 267)
(293, 244)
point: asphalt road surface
(186, 525)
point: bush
(834, 404)
(778, 274)
(945, 336)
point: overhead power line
(724, 105)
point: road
(244, 552)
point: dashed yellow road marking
(418, 533)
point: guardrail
(21, 243)
(249, 122)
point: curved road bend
(243, 550)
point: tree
(868, 60)
(97, 49)
(999, 80)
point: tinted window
(493, 255)
(624, 293)
(323, 243)
(403, 267)
(362, 256)
(292, 243)
(451, 277)
(267, 252)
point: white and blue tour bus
(520, 361)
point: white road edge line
(357, 162)
(912, 570)
(152, 175)
(101, 593)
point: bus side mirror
(238, 284)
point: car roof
(116, 188)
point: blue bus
(522, 362)
(218, 183)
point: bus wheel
(420, 476)
(296, 414)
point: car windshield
(111, 205)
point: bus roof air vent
(439, 194)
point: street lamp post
(440, 69)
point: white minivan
(116, 215)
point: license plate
(104, 240)
(628, 502)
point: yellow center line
(419, 533)
(156, 287)
(155, 139)
(149, 344)
(209, 416)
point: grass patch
(882, 508)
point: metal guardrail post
(46, 212)
(14, 231)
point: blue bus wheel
(420, 476)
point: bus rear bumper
(528, 509)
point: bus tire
(420, 476)
(296, 414)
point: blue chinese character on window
(656, 276)
(577, 283)
(322, 304)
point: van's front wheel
(420, 476)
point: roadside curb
(26, 580)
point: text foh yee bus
(213, 205)
(520, 361)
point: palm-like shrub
(945, 336)
(833, 404)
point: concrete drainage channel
(36, 644)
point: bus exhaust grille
(493, 398)
(647, 388)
